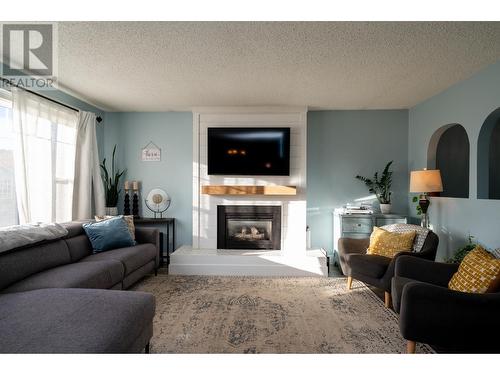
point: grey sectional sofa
(53, 297)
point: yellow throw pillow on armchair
(388, 244)
(479, 272)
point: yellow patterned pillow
(479, 272)
(388, 244)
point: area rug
(203, 314)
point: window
(449, 152)
(37, 152)
(8, 204)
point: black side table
(169, 222)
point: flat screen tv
(249, 151)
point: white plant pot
(111, 211)
(385, 208)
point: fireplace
(249, 227)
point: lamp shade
(426, 181)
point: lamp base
(424, 203)
(425, 221)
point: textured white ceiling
(160, 66)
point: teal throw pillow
(109, 234)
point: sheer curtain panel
(88, 186)
(44, 158)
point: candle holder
(135, 204)
(126, 203)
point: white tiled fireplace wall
(293, 208)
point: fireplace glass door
(249, 227)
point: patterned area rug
(203, 314)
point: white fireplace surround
(203, 257)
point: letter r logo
(27, 48)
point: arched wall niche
(488, 157)
(449, 151)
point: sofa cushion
(74, 321)
(132, 257)
(94, 275)
(75, 228)
(79, 247)
(138, 274)
(370, 265)
(19, 264)
(17, 236)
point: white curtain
(87, 182)
(44, 155)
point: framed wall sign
(151, 152)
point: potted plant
(111, 183)
(462, 252)
(381, 187)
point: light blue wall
(172, 132)
(467, 103)
(342, 144)
(332, 160)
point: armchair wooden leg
(387, 300)
(349, 283)
(410, 347)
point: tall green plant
(381, 187)
(111, 182)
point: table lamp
(425, 182)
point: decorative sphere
(157, 198)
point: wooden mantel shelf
(248, 190)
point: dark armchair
(433, 314)
(377, 270)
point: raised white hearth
(189, 261)
(286, 192)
